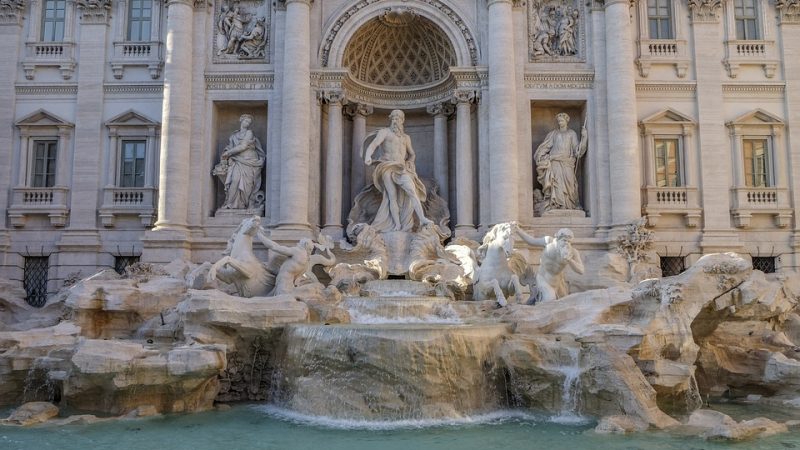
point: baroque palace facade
(120, 122)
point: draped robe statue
(556, 163)
(245, 159)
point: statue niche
(557, 160)
(240, 171)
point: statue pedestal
(398, 248)
(565, 213)
(237, 215)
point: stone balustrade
(121, 201)
(680, 200)
(128, 54)
(663, 52)
(748, 201)
(754, 53)
(52, 54)
(49, 201)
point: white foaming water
(495, 417)
(570, 392)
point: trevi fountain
(400, 326)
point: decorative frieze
(559, 80)
(240, 81)
(353, 11)
(754, 91)
(666, 90)
(48, 90)
(789, 11)
(94, 11)
(134, 89)
(11, 12)
(705, 11)
(555, 31)
(241, 32)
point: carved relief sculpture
(558, 253)
(789, 10)
(11, 11)
(705, 10)
(556, 164)
(241, 33)
(240, 168)
(554, 28)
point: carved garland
(11, 11)
(94, 11)
(446, 10)
(705, 10)
(789, 11)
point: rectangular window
(756, 163)
(34, 280)
(668, 163)
(746, 16)
(53, 20)
(659, 18)
(132, 163)
(139, 20)
(44, 163)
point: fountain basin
(391, 372)
(385, 310)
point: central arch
(348, 22)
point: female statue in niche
(556, 163)
(244, 159)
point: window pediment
(668, 116)
(757, 117)
(42, 118)
(131, 118)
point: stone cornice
(705, 11)
(49, 90)
(239, 81)
(662, 90)
(94, 11)
(754, 90)
(11, 12)
(559, 80)
(789, 11)
(133, 89)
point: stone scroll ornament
(240, 32)
(554, 26)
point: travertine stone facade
(115, 113)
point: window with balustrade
(659, 19)
(745, 16)
(54, 15)
(132, 162)
(757, 162)
(140, 15)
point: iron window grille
(672, 265)
(35, 280)
(765, 264)
(123, 262)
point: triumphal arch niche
(422, 59)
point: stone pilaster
(295, 145)
(465, 172)
(11, 16)
(176, 135)
(440, 113)
(503, 176)
(358, 169)
(713, 146)
(623, 142)
(333, 166)
(789, 33)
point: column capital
(705, 11)
(513, 3)
(11, 12)
(94, 11)
(332, 97)
(440, 109)
(788, 11)
(281, 4)
(359, 109)
(465, 96)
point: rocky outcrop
(715, 425)
(115, 308)
(116, 377)
(31, 413)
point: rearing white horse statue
(500, 267)
(240, 266)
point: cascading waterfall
(570, 389)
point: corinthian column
(333, 166)
(440, 111)
(465, 179)
(173, 199)
(622, 126)
(502, 113)
(295, 145)
(358, 169)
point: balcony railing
(119, 201)
(52, 54)
(49, 201)
(759, 53)
(671, 200)
(762, 200)
(662, 52)
(146, 54)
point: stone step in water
(397, 288)
(391, 372)
(418, 309)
